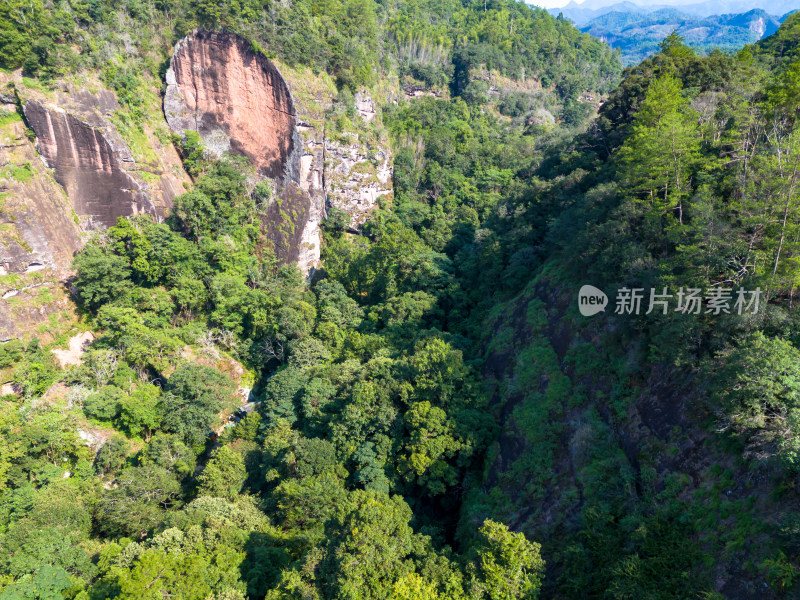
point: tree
(413, 587)
(438, 371)
(224, 475)
(11, 448)
(370, 471)
(137, 503)
(102, 276)
(112, 456)
(506, 565)
(29, 549)
(169, 452)
(431, 443)
(48, 583)
(10, 352)
(193, 573)
(102, 364)
(36, 372)
(757, 383)
(196, 395)
(105, 404)
(673, 46)
(371, 546)
(283, 391)
(660, 154)
(141, 412)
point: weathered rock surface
(103, 181)
(80, 149)
(37, 302)
(84, 176)
(73, 355)
(356, 176)
(238, 101)
(365, 107)
(235, 99)
(88, 166)
(37, 229)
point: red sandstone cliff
(238, 102)
(37, 229)
(87, 166)
(83, 178)
(93, 163)
(235, 98)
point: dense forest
(434, 419)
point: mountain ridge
(638, 34)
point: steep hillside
(362, 301)
(653, 451)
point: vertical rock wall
(238, 101)
(235, 99)
(358, 170)
(75, 137)
(87, 165)
(37, 229)
(82, 178)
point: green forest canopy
(368, 470)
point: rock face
(37, 229)
(235, 99)
(238, 101)
(365, 107)
(77, 139)
(88, 166)
(357, 180)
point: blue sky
(549, 3)
(558, 3)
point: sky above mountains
(586, 3)
(637, 27)
(776, 7)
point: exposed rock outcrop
(235, 99)
(365, 107)
(88, 166)
(37, 229)
(356, 177)
(238, 102)
(76, 138)
(358, 164)
(84, 176)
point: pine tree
(660, 156)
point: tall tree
(660, 155)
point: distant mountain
(719, 7)
(638, 34)
(581, 14)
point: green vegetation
(429, 416)
(436, 44)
